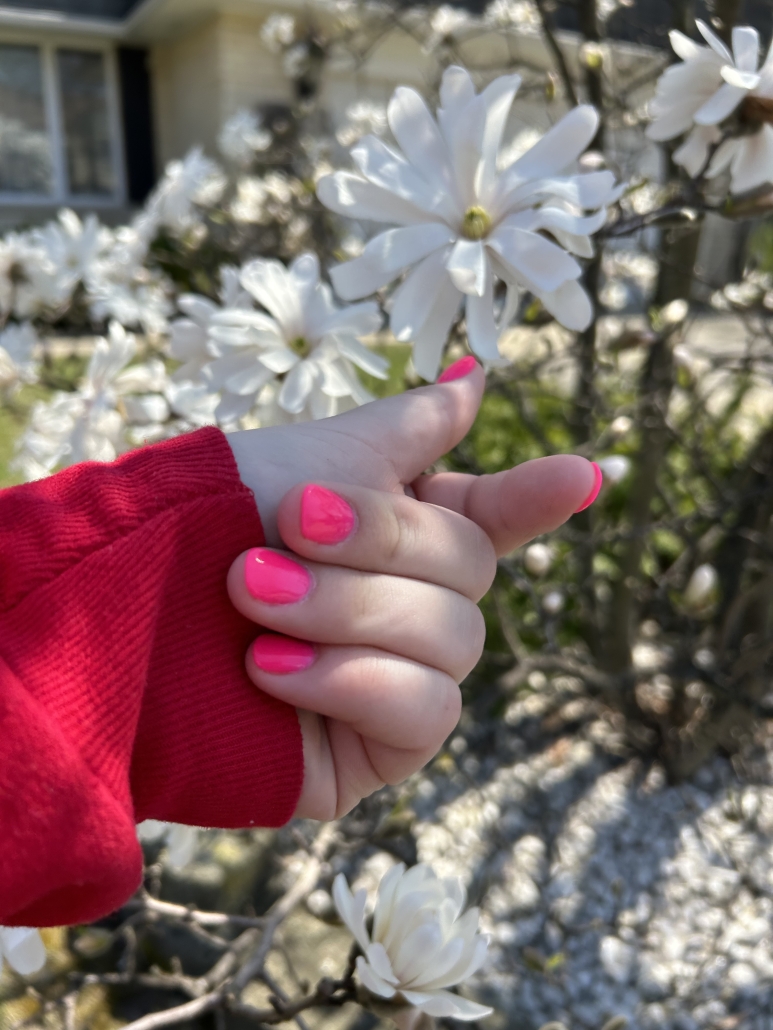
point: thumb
(412, 430)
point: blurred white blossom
(701, 590)
(195, 181)
(242, 137)
(17, 355)
(181, 841)
(516, 14)
(22, 948)
(463, 222)
(706, 89)
(278, 32)
(89, 424)
(362, 118)
(615, 467)
(420, 943)
(538, 559)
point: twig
(557, 52)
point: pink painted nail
(599, 478)
(274, 579)
(460, 368)
(282, 655)
(326, 518)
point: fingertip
(458, 370)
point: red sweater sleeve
(123, 694)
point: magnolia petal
(694, 152)
(496, 101)
(744, 80)
(569, 305)
(752, 164)
(429, 343)
(456, 88)
(467, 266)
(379, 962)
(720, 105)
(370, 362)
(425, 940)
(357, 320)
(387, 169)
(151, 830)
(196, 307)
(415, 298)
(443, 1003)
(24, 949)
(354, 197)
(386, 894)
(181, 845)
(279, 359)
(683, 46)
(217, 372)
(351, 910)
(418, 135)
(581, 246)
(557, 218)
(533, 259)
(374, 983)
(714, 41)
(430, 973)
(249, 380)
(333, 380)
(231, 408)
(145, 410)
(272, 285)
(482, 330)
(387, 256)
(560, 146)
(296, 388)
(746, 48)
(186, 339)
(243, 318)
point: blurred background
(607, 798)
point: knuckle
(475, 638)
(401, 535)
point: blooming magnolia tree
(552, 203)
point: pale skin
(393, 609)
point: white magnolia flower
(196, 181)
(29, 283)
(517, 14)
(420, 943)
(248, 206)
(89, 424)
(305, 337)
(181, 841)
(242, 136)
(444, 22)
(72, 247)
(703, 91)
(22, 948)
(278, 32)
(464, 222)
(17, 355)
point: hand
(369, 636)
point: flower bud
(553, 602)
(615, 467)
(538, 559)
(701, 591)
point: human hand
(371, 632)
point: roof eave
(54, 21)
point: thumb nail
(598, 480)
(460, 368)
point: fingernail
(274, 579)
(595, 491)
(281, 655)
(460, 368)
(326, 518)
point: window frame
(54, 112)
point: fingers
(514, 506)
(399, 702)
(367, 717)
(414, 429)
(376, 531)
(332, 605)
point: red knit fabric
(123, 694)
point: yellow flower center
(301, 346)
(476, 223)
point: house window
(59, 133)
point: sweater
(123, 690)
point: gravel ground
(606, 891)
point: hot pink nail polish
(326, 518)
(274, 579)
(599, 478)
(282, 655)
(460, 368)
